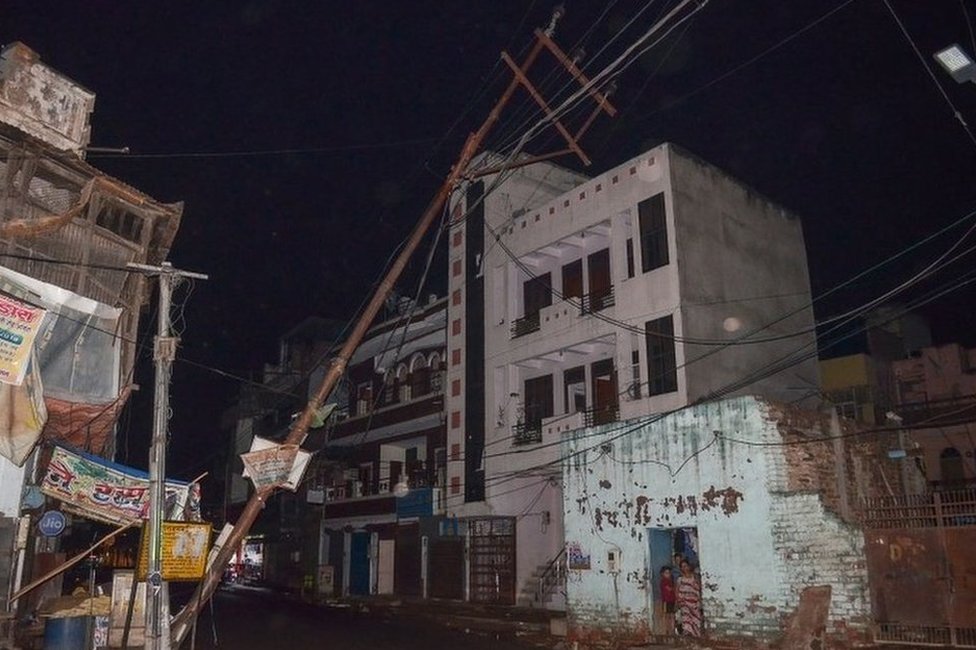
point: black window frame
(662, 367)
(653, 226)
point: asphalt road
(244, 620)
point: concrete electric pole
(164, 352)
(458, 174)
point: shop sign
(99, 489)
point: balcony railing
(525, 325)
(527, 433)
(602, 414)
(934, 412)
(360, 490)
(597, 301)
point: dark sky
(842, 124)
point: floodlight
(957, 63)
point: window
(634, 390)
(388, 394)
(630, 257)
(604, 380)
(662, 370)
(536, 294)
(573, 280)
(951, 468)
(574, 382)
(419, 376)
(537, 407)
(436, 373)
(653, 233)
(403, 383)
(600, 289)
(364, 398)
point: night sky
(841, 124)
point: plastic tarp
(78, 345)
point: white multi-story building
(577, 302)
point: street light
(957, 63)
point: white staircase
(546, 587)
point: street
(254, 619)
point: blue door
(359, 565)
(661, 556)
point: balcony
(557, 424)
(936, 413)
(353, 498)
(597, 301)
(525, 325)
(601, 414)
(527, 433)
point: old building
(265, 409)
(761, 499)
(936, 397)
(378, 482)
(579, 302)
(67, 232)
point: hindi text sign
(184, 553)
(19, 323)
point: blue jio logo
(52, 523)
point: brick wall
(766, 515)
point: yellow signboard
(19, 323)
(184, 553)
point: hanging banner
(184, 552)
(19, 323)
(99, 489)
(23, 414)
(270, 464)
(270, 467)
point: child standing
(667, 599)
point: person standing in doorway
(668, 599)
(689, 601)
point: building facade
(377, 486)
(280, 538)
(579, 302)
(761, 499)
(67, 232)
(936, 397)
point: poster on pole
(19, 323)
(269, 464)
(184, 552)
(105, 491)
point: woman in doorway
(689, 601)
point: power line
(748, 62)
(935, 80)
(251, 153)
(769, 370)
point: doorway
(667, 547)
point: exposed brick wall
(780, 533)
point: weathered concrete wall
(761, 540)
(742, 266)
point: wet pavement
(245, 619)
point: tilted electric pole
(299, 429)
(164, 352)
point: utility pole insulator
(558, 12)
(165, 348)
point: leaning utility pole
(164, 352)
(543, 40)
